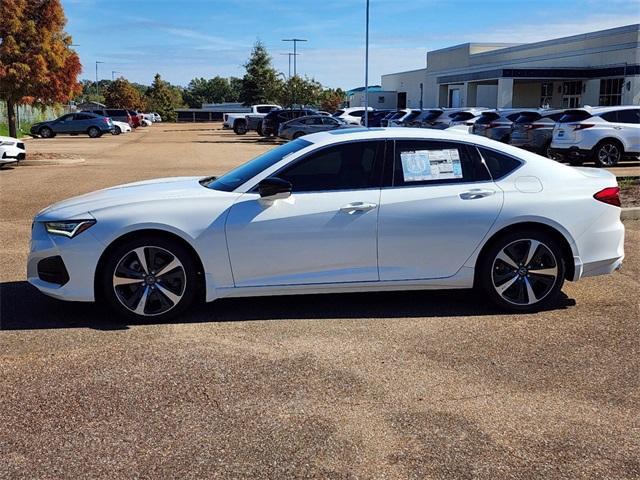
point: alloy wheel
(149, 280)
(609, 154)
(524, 272)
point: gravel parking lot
(382, 385)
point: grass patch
(24, 129)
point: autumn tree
(261, 83)
(37, 64)
(331, 99)
(122, 94)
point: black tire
(298, 135)
(180, 281)
(240, 127)
(607, 153)
(117, 130)
(46, 132)
(507, 283)
(259, 129)
(94, 132)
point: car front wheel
(46, 132)
(117, 130)
(523, 271)
(149, 278)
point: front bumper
(79, 255)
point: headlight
(69, 228)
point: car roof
(599, 110)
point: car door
(312, 124)
(82, 122)
(63, 124)
(437, 205)
(330, 123)
(325, 232)
(628, 126)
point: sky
(184, 39)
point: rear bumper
(601, 247)
(571, 152)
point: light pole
(290, 55)
(97, 88)
(113, 72)
(366, 71)
(295, 43)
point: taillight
(610, 195)
(582, 126)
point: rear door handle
(476, 193)
(354, 207)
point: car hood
(161, 189)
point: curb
(631, 213)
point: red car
(136, 118)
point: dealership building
(597, 68)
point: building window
(381, 99)
(546, 94)
(610, 92)
(572, 94)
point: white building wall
(408, 82)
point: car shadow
(23, 307)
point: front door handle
(476, 193)
(354, 207)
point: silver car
(311, 124)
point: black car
(116, 114)
(73, 124)
(375, 117)
(271, 123)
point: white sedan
(120, 127)
(12, 150)
(342, 211)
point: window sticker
(421, 165)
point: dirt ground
(356, 386)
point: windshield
(245, 172)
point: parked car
(534, 130)
(145, 122)
(605, 135)
(496, 124)
(311, 124)
(384, 121)
(238, 121)
(136, 118)
(321, 214)
(271, 122)
(156, 117)
(402, 117)
(116, 114)
(73, 124)
(425, 117)
(463, 120)
(375, 117)
(351, 115)
(12, 150)
(120, 127)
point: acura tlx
(341, 211)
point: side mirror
(274, 188)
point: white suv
(603, 134)
(351, 115)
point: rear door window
(527, 117)
(428, 162)
(629, 116)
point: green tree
(37, 64)
(201, 90)
(235, 87)
(298, 91)
(122, 94)
(261, 83)
(163, 98)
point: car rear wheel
(149, 278)
(298, 135)
(240, 128)
(523, 271)
(93, 132)
(46, 132)
(608, 153)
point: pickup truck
(243, 122)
